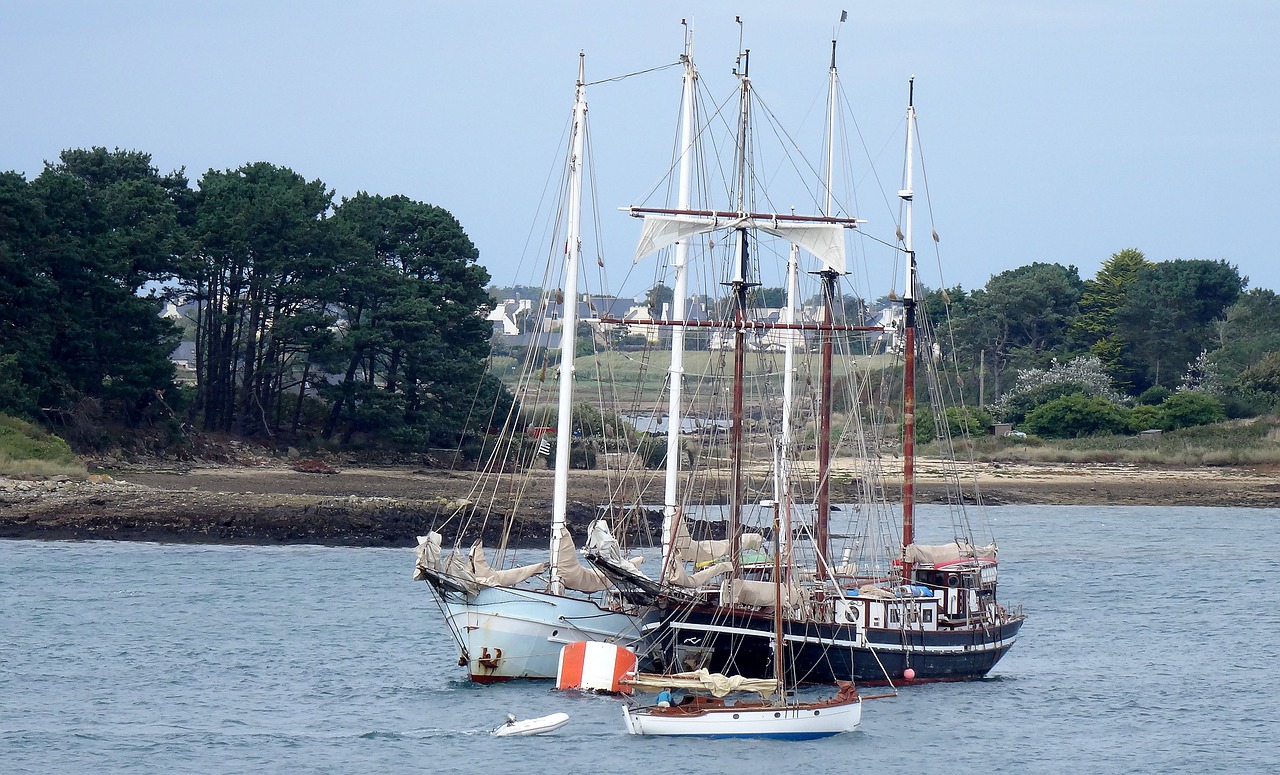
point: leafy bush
(1248, 404)
(1076, 415)
(582, 454)
(1144, 417)
(962, 421)
(1184, 410)
(1154, 395)
(1017, 406)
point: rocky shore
(272, 501)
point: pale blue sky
(1057, 132)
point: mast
(739, 286)
(909, 350)
(779, 668)
(783, 489)
(569, 330)
(822, 519)
(676, 370)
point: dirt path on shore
(389, 506)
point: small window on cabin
(895, 616)
(926, 615)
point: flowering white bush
(1083, 370)
(1201, 377)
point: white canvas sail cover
(697, 552)
(824, 240)
(952, 552)
(762, 594)
(500, 578)
(601, 541)
(573, 574)
(458, 567)
(703, 681)
(428, 554)
(681, 578)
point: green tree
(413, 351)
(1100, 300)
(112, 232)
(1164, 322)
(1020, 318)
(1248, 331)
(27, 300)
(657, 297)
(1263, 376)
(264, 272)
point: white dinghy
(515, 728)
(542, 725)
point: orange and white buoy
(595, 667)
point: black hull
(742, 644)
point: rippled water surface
(1151, 646)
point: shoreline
(274, 503)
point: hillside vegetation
(28, 450)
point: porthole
(777, 715)
(816, 712)
(555, 633)
(735, 715)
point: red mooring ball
(909, 674)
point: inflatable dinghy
(542, 725)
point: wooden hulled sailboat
(782, 718)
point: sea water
(1150, 646)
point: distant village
(622, 322)
(628, 321)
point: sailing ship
(932, 614)
(929, 614)
(506, 624)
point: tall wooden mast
(822, 519)
(908, 350)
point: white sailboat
(505, 628)
(783, 718)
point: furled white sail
(703, 680)
(762, 594)
(681, 578)
(500, 578)
(824, 240)
(952, 552)
(429, 553)
(698, 552)
(573, 573)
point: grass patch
(27, 449)
(1232, 443)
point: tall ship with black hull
(865, 601)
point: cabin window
(926, 615)
(895, 616)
